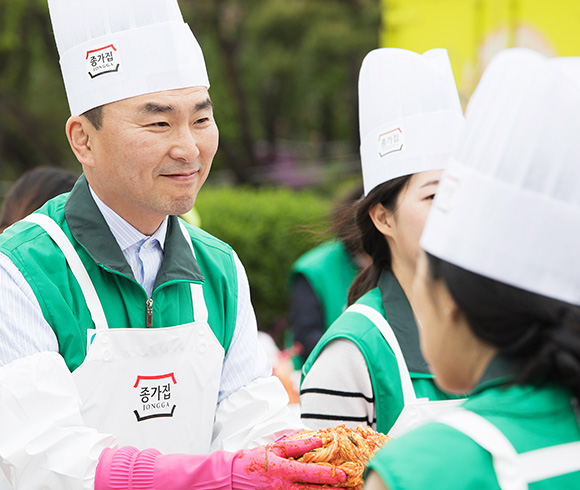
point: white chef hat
(508, 206)
(409, 113)
(114, 49)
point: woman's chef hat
(115, 49)
(409, 113)
(508, 206)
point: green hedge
(269, 229)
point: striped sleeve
(23, 329)
(338, 389)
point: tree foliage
(269, 229)
(281, 70)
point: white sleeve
(246, 359)
(253, 405)
(23, 329)
(254, 415)
(44, 442)
(338, 389)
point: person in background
(32, 189)
(497, 293)
(368, 368)
(128, 343)
(320, 278)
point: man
(121, 326)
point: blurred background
(284, 86)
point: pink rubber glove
(267, 468)
(127, 468)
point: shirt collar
(126, 234)
(89, 228)
(402, 320)
(500, 370)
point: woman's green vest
(330, 270)
(380, 359)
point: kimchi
(344, 448)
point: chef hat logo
(103, 60)
(447, 192)
(391, 141)
(115, 49)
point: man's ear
(383, 219)
(78, 133)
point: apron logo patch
(154, 394)
(102, 60)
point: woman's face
(455, 356)
(403, 226)
(413, 206)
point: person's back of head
(32, 190)
(502, 232)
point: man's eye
(202, 120)
(160, 124)
(430, 197)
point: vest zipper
(150, 312)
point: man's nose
(185, 145)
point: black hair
(543, 332)
(95, 116)
(344, 224)
(372, 241)
(32, 190)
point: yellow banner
(473, 31)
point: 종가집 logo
(103, 60)
(391, 141)
(154, 396)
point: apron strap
(200, 313)
(514, 471)
(549, 462)
(381, 323)
(77, 267)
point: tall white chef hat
(114, 49)
(508, 206)
(409, 113)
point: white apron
(514, 471)
(416, 411)
(149, 387)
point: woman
(497, 292)
(368, 367)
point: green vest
(124, 300)
(330, 270)
(438, 457)
(380, 359)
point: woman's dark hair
(344, 224)
(32, 190)
(543, 332)
(371, 240)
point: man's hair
(95, 116)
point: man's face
(153, 154)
